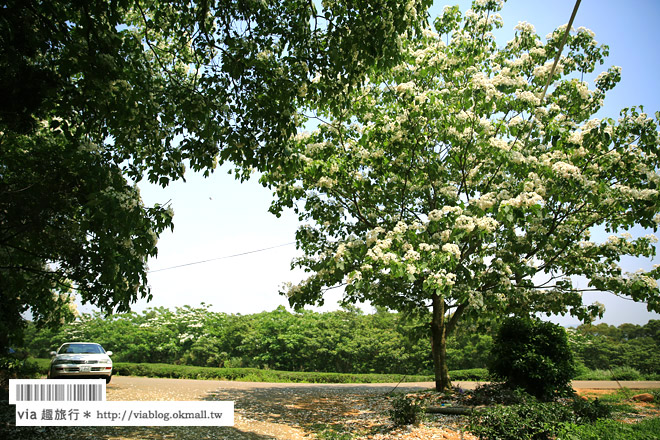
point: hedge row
(259, 375)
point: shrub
(588, 411)
(529, 421)
(626, 373)
(656, 396)
(594, 375)
(254, 374)
(474, 374)
(15, 368)
(533, 355)
(497, 393)
(405, 411)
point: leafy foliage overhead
(162, 83)
(96, 95)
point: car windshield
(81, 349)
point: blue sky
(220, 217)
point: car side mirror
(109, 353)
(52, 353)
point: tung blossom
(566, 170)
(525, 27)
(465, 222)
(404, 88)
(485, 201)
(524, 200)
(453, 249)
(528, 97)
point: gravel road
(272, 410)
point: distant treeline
(344, 341)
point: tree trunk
(439, 345)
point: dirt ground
(292, 411)
(300, 411)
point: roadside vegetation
(344, 341)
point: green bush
(529, 421)
(254, 374)
(498, 394)
(625, 373)
(588, 411)
(405, 411)
(533, 355)
(594, 375)
(474, 374)
(12, 367)
(656, 396)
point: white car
(86, 360)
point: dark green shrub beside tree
(533, 355)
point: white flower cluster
(485, 201)
(507, 78)
(425, 247)
(524, 200)
(372, 235)
(379, 251)
(412, 255)
(326, 182)
(567, 171)
(404, 88)
(484, 3)
(438, 214)
(453, 249)
(443, 279)
(339, 253)
(481, 82)
(499, 143)
(635, 193)
(528, 97)
(576, 137)
(583, 89)
(353, 277)
(487, 224)
(525, 27)
(465, 222)
(429, 33)
(544, 70)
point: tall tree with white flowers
(452, 186)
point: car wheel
(107, 379)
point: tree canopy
(450, 183)
(97, 95)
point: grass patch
(618, 373)
(648, 429)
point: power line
(561, 47)
(222, 258)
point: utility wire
(561, 47)
(222, 258)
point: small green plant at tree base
(590, 410)
(533, 355)
(405, 411)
